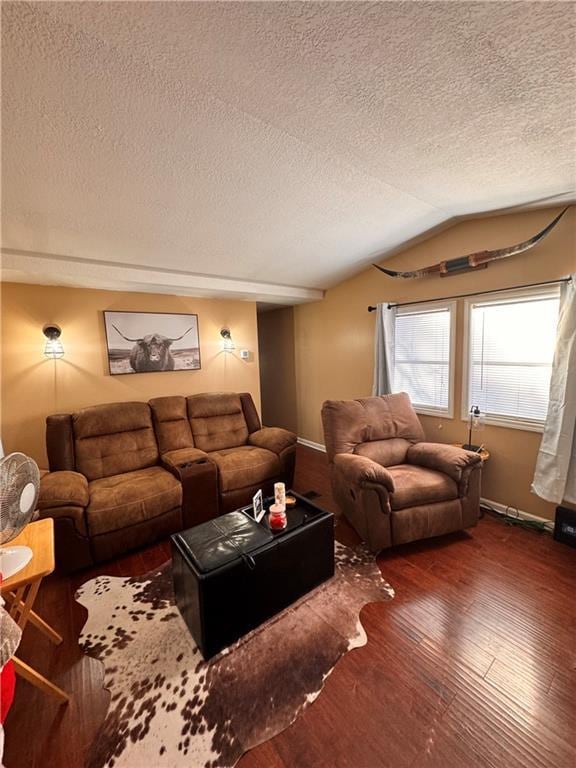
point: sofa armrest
(182, 458)
(274, 439)
(361, 471)
(449, 459)
(63, 489)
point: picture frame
(148, 342)
(258, 506)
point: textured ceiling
(271, 144)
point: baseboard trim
(311, 444)
(503, 508)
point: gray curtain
(384, 350)
(555, 476)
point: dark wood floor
(473, 665)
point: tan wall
(278, 368)
(33, 386)
(334, 338)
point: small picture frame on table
(258, 506)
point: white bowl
(13, 559)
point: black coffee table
(231, 573)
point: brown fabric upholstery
(273, 439)
(244, 466)
(414, 486)
(59, 489)
(114, 439)
(76, 515)
(71, 542)
(149, 476)
(60, 442)
(184, 456)
(445, 458)
(250, 412)
(217, 421)
(132, 497)
(385, 452)
(350, 422)
(425, 521)
(171, 423)
(470, 495)
(142, 534)
(358, 470)
(391, 486)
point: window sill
(526, 426)
(437, 412)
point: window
(423, 355)
(509, 358)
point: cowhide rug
(169, 707)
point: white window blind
(422, 357)
(511, 346)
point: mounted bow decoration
(478, 260)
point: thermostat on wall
(245, 354)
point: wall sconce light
(53, 347)
(227, 343)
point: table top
(198, 540)
(484, 454)
(39, 536)
(298, 515)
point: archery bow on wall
(473, 261)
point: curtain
(555, 476)
(384, 349)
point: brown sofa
(391, 485)
(124, 475)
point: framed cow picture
(143, 342)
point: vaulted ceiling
(269, 150)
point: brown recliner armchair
(391, 485)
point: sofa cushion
(129, 498)
(244, 466)
(217, 421)
(385, 452)
(113, 439)
(171, 423)
(414, 486)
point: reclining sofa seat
(225, 430)
(124, 475)
(106, 490)
(391, 485)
